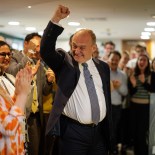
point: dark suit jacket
(67, 75)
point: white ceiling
(121, 19)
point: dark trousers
(116, 116)
(78, 139)
(34, 134)
(124, 135)
(51, 142)
(140, 127)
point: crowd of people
(54, 102)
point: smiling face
(108, 48)
(34, 45)
(113, 61)
(83, 45)
(5, 57)
(142, 62)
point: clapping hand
(116, 84)
(133, 80)
(142, 78)
(50, 75)
(34, 68)
(23, 81)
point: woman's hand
(23, 81)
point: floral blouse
(11, 126)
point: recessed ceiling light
(29, 7)
(145, 33)
(150, 29)
(73, 23)
(30, 28)
(145, 37)
(150, 23)
(13, 23)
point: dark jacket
(67, 76)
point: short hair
(109, 43)
(3, 43)
(31, 36)
(92, 34)
(70, 38)
(115, 53)
(142, 48)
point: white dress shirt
(78, 106)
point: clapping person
(12, 107)
(42, 85)
(139, 89)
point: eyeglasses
(6, 54)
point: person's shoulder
(101, 62)
(17, 55)
(11, 77)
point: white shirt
(78, 106)
(6, 84)
(131, 63)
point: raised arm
(52, 57)
(60, 13)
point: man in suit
(80, 135)
(43, 85)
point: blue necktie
(92, 94)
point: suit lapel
(103, 71)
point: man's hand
(34, 68)
(60, 13)
(116, 84)
(50, 75)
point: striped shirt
(142, 96)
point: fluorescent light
(150, 23)
(149, 29)
(145, 33)
(13, 23)
(29, 7)
(145, 37)
(73, 23)
(30, 28)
